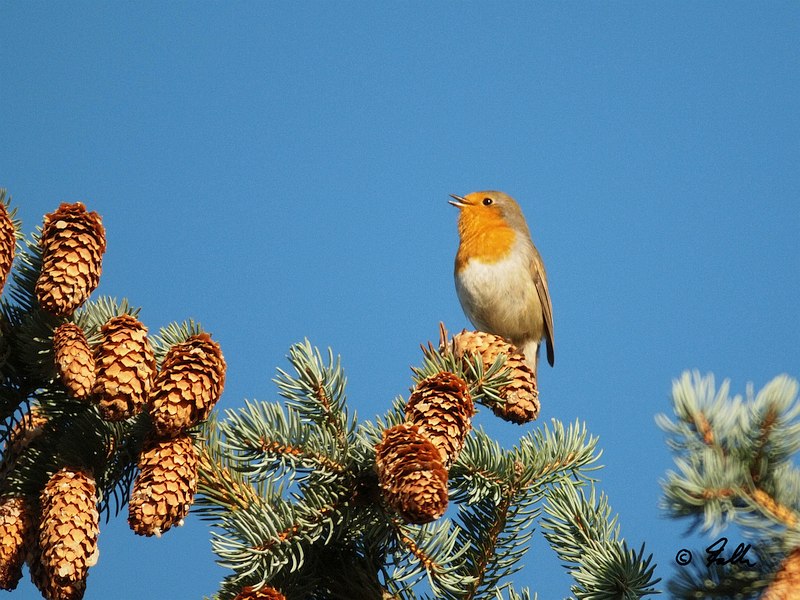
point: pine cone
(8, 244)
(441, 408)
(786, 585)
(68, 527)
(164, 489)
(15, 524)
(264, 593)
(50, 588)
(27, 429)
(520, 396)
(187, 387)
(73, 242)
(74, 360)
(125, 367)
(411, 474)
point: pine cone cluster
(74, 360)
(264, 593)
(412, 458)
(116, 374)
(411, 474)
(442, 409)
(184, 391)
(73, 242)
(520, 397)
(8, 244)
(124, 368)
(15, 523)
(164, 489)
(188, 385)
(67, 534)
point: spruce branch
(582, 532)
(28, 265)
(501, 489)
(327, 490)
(317, 392)
(428, 551)
(265, 438)
(740, 470)
(15, 414)
(252, 542)
(258, 540)
(734, 475)
(551, 453)
(507, 592)
(497, 534)
(722, 582)
(276, 479)
(369, 434)
(770, 508)
(222, 487)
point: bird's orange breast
(488, 239)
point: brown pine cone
(50, 588)
(8, 242)
(68, 527)
(786, 585)
(411, 475)
(164, 489)
(520, 396)
(188, 385)
(73, 242)
(74, 360)
(15, 524)
(124, 368)
(442, 409)
(264, 593)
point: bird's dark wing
(540, 281)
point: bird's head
(487, 209)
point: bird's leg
(531, 351)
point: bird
(499, 274)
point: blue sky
(281, 170)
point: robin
(500, 278)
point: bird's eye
(487, 201)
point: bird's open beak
(460, 201)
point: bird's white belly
(501, 297)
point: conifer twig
(735, 461)
(487, 549)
